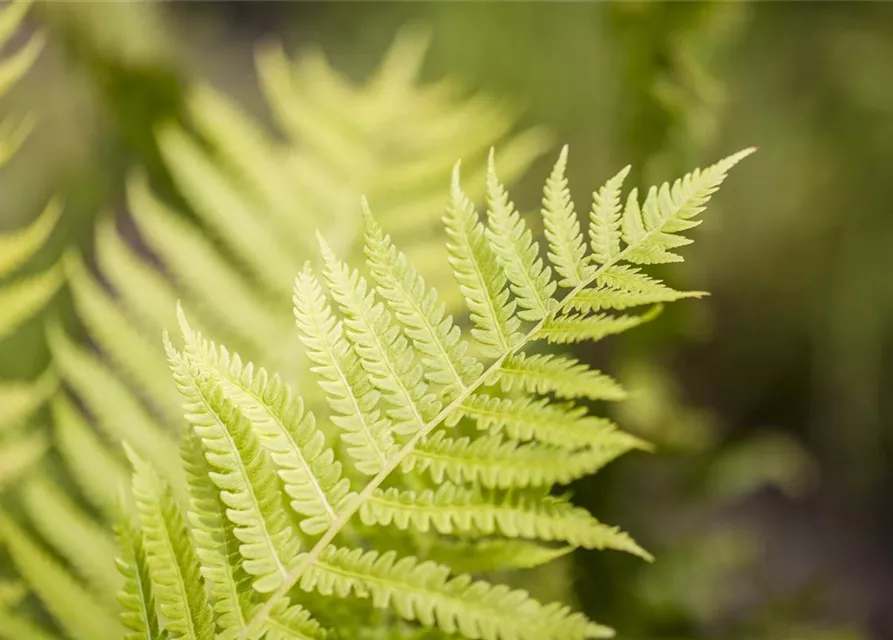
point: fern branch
(309, 559)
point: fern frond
(479, 277)
(311, 475)
(384, 352)
(380, 345)
(576, 327)
(215, 542)
(424, 319)
(517, 252)
(652, 232)
(424, 592)
(488, 555)
(495, 463)
(452, 511)
(172, 561)
(136, 595)
(294, 623)
(347, 387)
(605, 220)
(523, 419)
(73, 608)
(562, 376)
(242, 471)
(562, 228)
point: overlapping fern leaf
(449, 441)
(22, 294)
(230, 260)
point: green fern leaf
(215, 542)
(433, 333)
(350, 394)
(562, 228)
(604, 219)
(652, 232)
(424, 592)
(487, 555)
(18, 455)
(576, 327)
(136, 595)
(517, 252)
(172, 561)
(495, 463)
(529, 419)
(18, 401)
(309, 471)
(454, 511)
(481, 281)
(384, 352)
(565, 377)
(24, 297)
(294, 623)
(18, 247)
(243, 473)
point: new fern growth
(450, 441)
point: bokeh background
(768, 499)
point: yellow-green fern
(283, 528)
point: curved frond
(425, 592)
(172, 561)
(136, 595)
(452, 511)
(517, 252)
(383, 350)
(244, 474)
(348, 390)
(496, 463)
(562, 376)
(481, 281)
(562, 228)
(311, 475)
